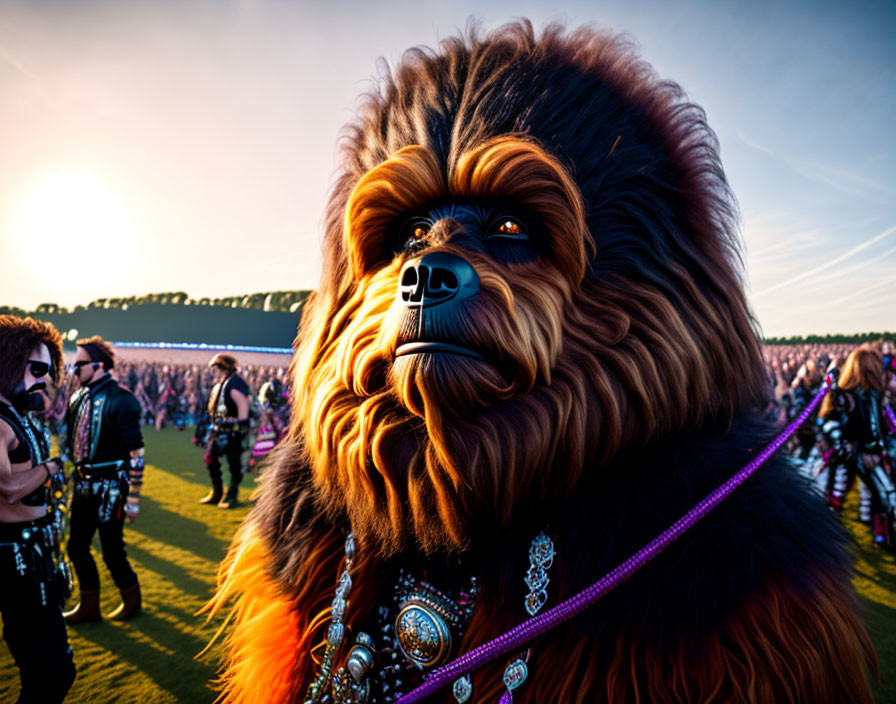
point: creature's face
(440, 304)
(512, 297)
(473, 276)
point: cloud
(828, 264)
(842, 180)
(886, 283)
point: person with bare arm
(32, 587)
(228, 405)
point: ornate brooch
(428, 624)
(427, 618)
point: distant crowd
(177, 394)
(849, 440)
(174, 394)
(795, 373)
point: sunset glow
(72, 217)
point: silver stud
(535, 601)
(359, 663)
(338, 608)
(335, 633)
(542, 550)
(463, 688)
(365, 639)
(515, 674)
(350, 547)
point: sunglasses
(38, 368)
(76, 367)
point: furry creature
(531, 318)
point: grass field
(175, 548)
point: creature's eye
(412, 233)
(509, 227)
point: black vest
(33, 445)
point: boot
(88, 609)
(230, 500)
(214, 496)
(130, 604)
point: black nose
(435, 278)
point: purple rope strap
(891, 419)
(528, 630)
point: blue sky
(199, 137)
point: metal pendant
(350, 684)
(515, 674)
(361, 657)
(317, 690)
(422, 634)
(541, 557)
(463, 689)
(345, 690)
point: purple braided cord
(534, 627)
(891, 419)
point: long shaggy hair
(18, 338)
(629, 327)
(862, 370)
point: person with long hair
(33, 586)
(857, 405)
(228, 406)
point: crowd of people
(170, 394)
(98, 410)
(102, 407)
(850, 438)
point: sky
(190, 145)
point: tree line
(854, 339)
(272, 301)
(292, 301)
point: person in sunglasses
(33, 585)
(106, 447)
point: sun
(74, 217)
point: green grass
(875, 582)
(175, 548)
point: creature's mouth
(437, 347)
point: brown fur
(777, 650)
(630, 327)
(390, 439)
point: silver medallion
(422, 635)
